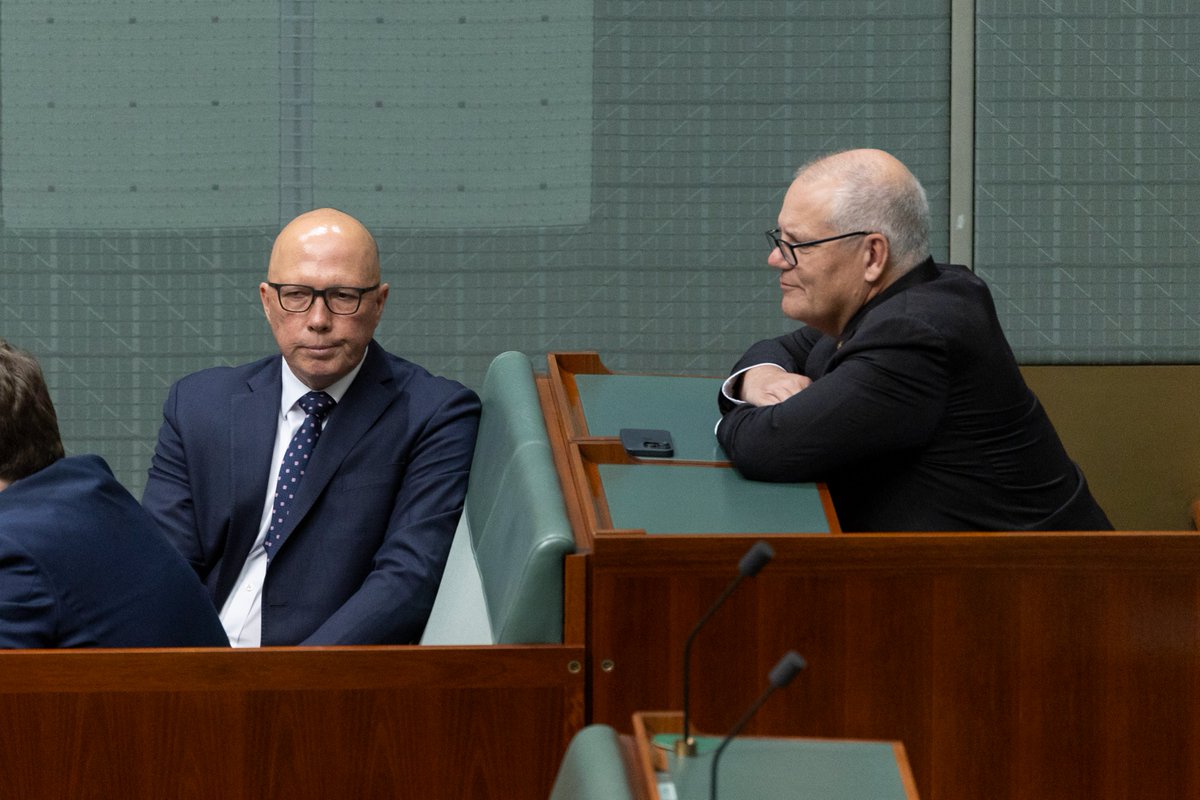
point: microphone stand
(781, 675)
(754, 560)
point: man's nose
(775, 259)
(319, 315)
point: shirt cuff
(732, 380)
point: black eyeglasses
(788, 249)
(298, 298)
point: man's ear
(875, 257)
(264, 294)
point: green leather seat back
(592, 768)
(514, 507)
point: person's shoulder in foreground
(81, 564)
(901, 392)
(356, 550)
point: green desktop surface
(753, 768)
(661, 498)
(685, 406)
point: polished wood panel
(1010, 665)
(367, 722)
(563, 367)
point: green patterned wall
(1087, 175)
(554, 175)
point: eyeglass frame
(789, 254)
(314, 293)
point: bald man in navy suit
(81, 564)
(353, 550)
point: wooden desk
(685, 406)
(586, 405)
(1011, 665)
(657, 497)
(288, 723)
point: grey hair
(870, 197)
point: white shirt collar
(294, 388)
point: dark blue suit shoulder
(433, 390)
(227, 379)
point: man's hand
(767, 385)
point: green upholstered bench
(592, 768)
(503, 582)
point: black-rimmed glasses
(788, 249)
(298, 298)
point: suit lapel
(367, 398)
(253, 420)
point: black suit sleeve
(885, 390)
(789, 352)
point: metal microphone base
(685, 747)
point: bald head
(324, 230)
(321, 255)
(873, 190)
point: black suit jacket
(371, 526)
(82, 565)
(918, 418)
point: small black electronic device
(647, 442)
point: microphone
(781, 675)
(754, 560)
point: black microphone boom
(752, 562)
(781, 675)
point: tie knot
(317, 404)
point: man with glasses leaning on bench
(900, 392)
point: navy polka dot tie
(316, 405)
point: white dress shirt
(242, 613)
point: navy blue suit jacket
(917, 418)
(368, 534)
(82, 565)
